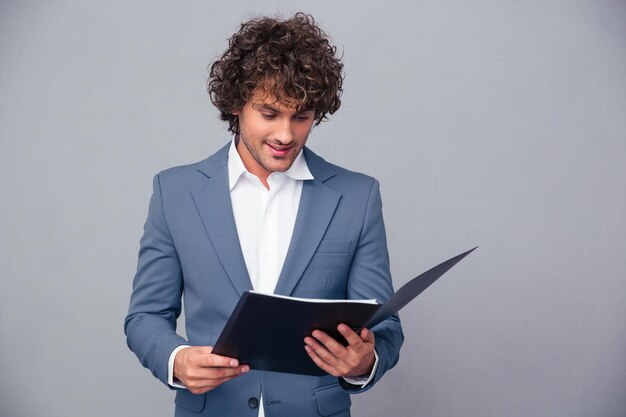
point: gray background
(491, 123)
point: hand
(353, 360)
(200, 370)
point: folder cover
(267, 331)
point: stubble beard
(266, 161)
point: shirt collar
(298, 171)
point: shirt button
(253, 402)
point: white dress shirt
(265, 219)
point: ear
(236, 112)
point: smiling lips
(279, 151)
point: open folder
(267, 331)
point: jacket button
(253, 402)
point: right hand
(200, 370)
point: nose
(284, 131)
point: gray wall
(495, 123)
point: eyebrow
(266, 106)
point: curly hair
(291, 60)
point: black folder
(267, 331)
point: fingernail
(245, 369)
(233, 362)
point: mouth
(278, 150)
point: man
(266, 213)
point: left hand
(353, 360)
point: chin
(280, 168)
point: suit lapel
(317, 206)
(212, 199)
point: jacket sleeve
(370, 277)
(155, 303)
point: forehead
(262, 98)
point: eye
(301, 117)
(268, 116)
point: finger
(331, 344)
(213, 360)
(200, 387)
(217, 382)
(319, 361)
(327, 356)
(350, 335)
(220, 373)
(367, 336)
(212, 379)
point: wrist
(179, 355)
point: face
(271, 135)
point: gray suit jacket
(190, 246)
